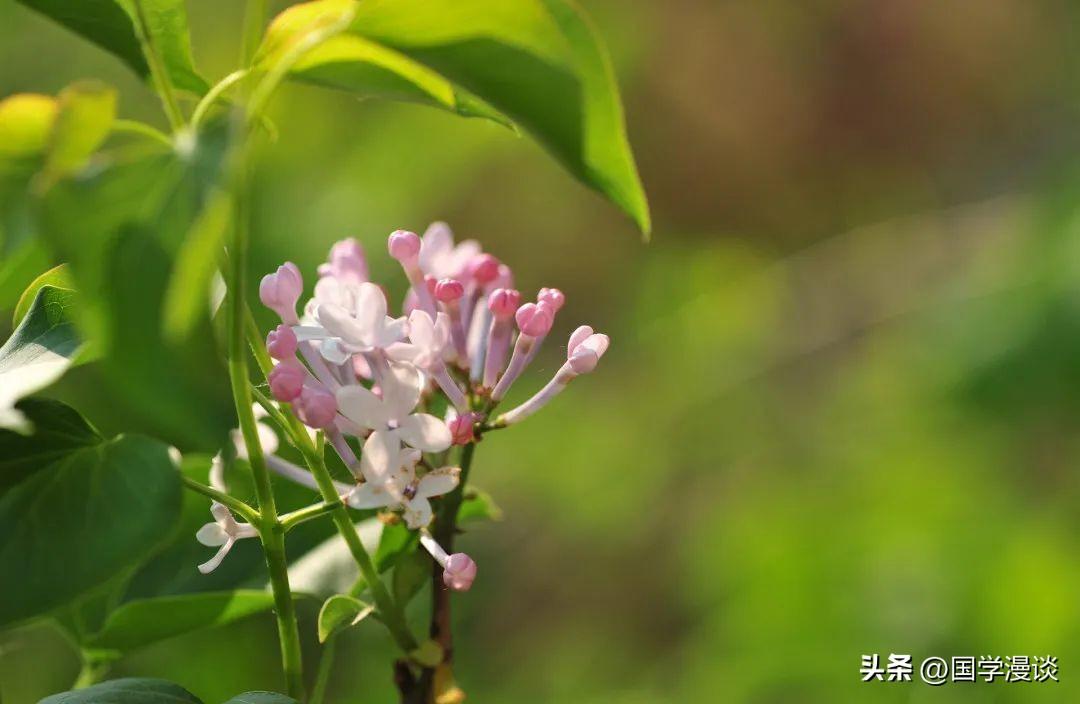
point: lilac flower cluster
(347, 368)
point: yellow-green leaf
(86, 113)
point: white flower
(222, 534)
(390, 474)
(352, 319)
(440, 258)
(393, 412)
(429, 342)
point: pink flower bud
(533, 320)
(585, 349)
(448, 290)
(346, 262)
(280, 291)
(404, 246)
(504, 302)
(484, 268)
(505, 279)
(281, 342)
(461, 428)
(287, 380)
(552, 297)
(459, 572)
(317, 407)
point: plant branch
(158, 75)
(213, 95)
(235, 505)
(142, 129)
(294, 518)
(326, 664)
(271, 531)
(445, 529)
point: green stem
(326, 664)
(237, 506)
(271, 532)
(213, 95)
(389, 611)
(142, 129)
(158, 74)
(300, 515)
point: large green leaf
(78, 518)
(131, 690)
(57, 277)
(538, 62)
(111, 25)
(145, 621)
(261, 698)
(37, 353)
(121, 229)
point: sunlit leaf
(80, 517)
(538, 62)
(340, 612)
(37, 354)
(26, 120)
(110, 25)
(145, 621)
(57, 277)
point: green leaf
(261, 698)
(411, 572)
(80, 517)
(59, 430)
(478, 506)
(188, 292)
(57, 277)
(145, 621)
(111, 25)
(121, 230)
(86, 115)
(132, 690)
(37, 353)
(538, 62)
(339, 612)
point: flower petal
(310, 332)
(389, 331)
(438, 481)
(212, 564)
(425, 432)
(334, 351)
(212, 535)
(370, 310)
(369, 495)
(401, 390)
(339, 323)
(362, 407)
(417, 513)
(379, 459)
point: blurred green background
(839, 412)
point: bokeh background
(840, 413)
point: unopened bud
(461, 428)
(317, 407)
(287, 380)
(503, 302)
(448, 290)
(459, 572)
(404, 246)
(281, 342)
(533, 320)
(281, 290)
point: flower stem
(158, 74)
(445, 529)
(389, 611)
(235, 505)
(271, 531)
